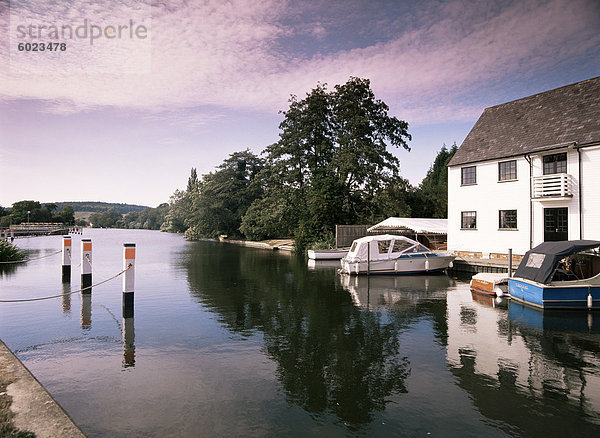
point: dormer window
(468, 176)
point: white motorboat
(390, 254)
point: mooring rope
(37, 258)
(68, 293)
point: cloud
(240, 55)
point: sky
(144, 91)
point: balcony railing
(559, 185)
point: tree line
(331, 165)
(34, 211)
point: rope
(68, 293)
(37, 258)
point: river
(235, 341)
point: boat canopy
(384, 247)
(416, 225)
(540, 263)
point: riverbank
(272, 244)
(26, 406)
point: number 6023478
(42, 47)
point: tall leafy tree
(224, 196)
(333, 154)
(434, 187)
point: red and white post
(86, 264)
(66, 259)
(128, 279)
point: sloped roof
(551, 119)
(416, 225)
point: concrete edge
(34, 408)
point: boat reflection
(574, 321)
(488, 300)
(323, 264)
(394, 291)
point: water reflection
(394, 291)
(8, 269)
(128, 342)
(86, 311)
(331, 356)
(531, 371)
(66, 298)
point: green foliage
(332, 152)
(107, 219)
(148, 219)
(179, 210)
(39, 213)
(433, 190)
(330, 166)
(10, 252)
(272, 216)
(101, 206)
(223, 196)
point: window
(383, 246)
(401, 245)
(507, 219)
(468, 220)
(468, 176)
(507, 170)
(555, 163)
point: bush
(10, 252)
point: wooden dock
(35, 229)
(475, 265)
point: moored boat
(559, 275)
(391, 254)
(327, 254)
(488, 283)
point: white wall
(487, 197)
(572, 203)
(590, 196)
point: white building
(528, 172)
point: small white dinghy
(390, 254)
(489, 283)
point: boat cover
(540, 263)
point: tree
(67, 215)
(224, 196)
(434, 187)
(332, 153)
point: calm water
(232, 341)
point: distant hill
(94, 207)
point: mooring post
(66, 259)
(86, 264)
(368, 258)
(128, 279)
(510, 262)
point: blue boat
(559, 275)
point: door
(556, 225)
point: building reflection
(515, 361)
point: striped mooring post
(86, 264)
(128, 279)
(66, 259)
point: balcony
(553, 187)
